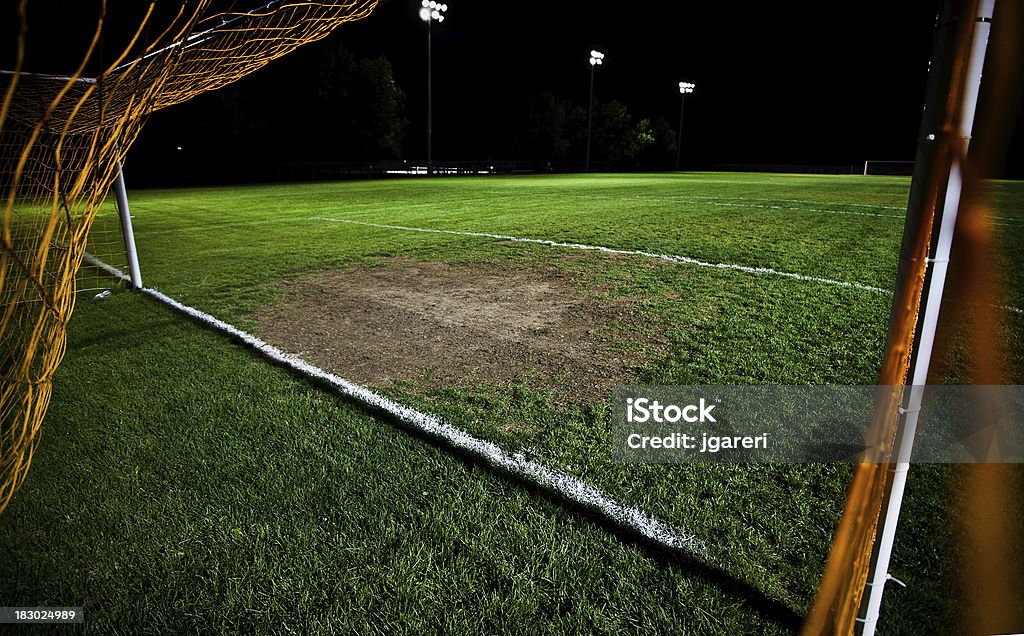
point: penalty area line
(664, 257)
(672, 258)
(569, 488)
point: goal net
(62, 139)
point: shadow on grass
(679, 559)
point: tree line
(332, 105)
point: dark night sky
(777, 82)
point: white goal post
(888, 168)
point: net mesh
(62, 138)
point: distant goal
(889, 168)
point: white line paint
(667, 257)
(610, 250)
(110, 269)
(570, 488)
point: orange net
(62, 139)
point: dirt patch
(436, 324)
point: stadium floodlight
(431, 11)
(596, 59)
(685, 88)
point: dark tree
(641, 137)
(661, 154)
(618, 138)
(553, 126)
(382, 124)
(359, 106)
(320, 104)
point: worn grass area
(185, 481)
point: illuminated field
(202, 486)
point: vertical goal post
(857, 569)
(127, 232)
(63, 139)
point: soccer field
(186, 482)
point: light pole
(596, 59)
(685, 88)
(429, 12)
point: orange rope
(60, 142)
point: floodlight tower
(685, 88)
(431, 11)
(596, 59)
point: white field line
(110, 269)
(570, 488)
(610, 250)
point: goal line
(671, 258)
(569, 488)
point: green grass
(187, 484)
